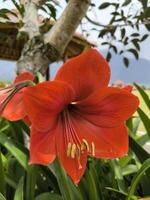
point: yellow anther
(86, 144)
(82, 147)
(73, 150)
(69, 149)
(93, 148)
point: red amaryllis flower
(11, 98)
(77, 115)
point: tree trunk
(41, 50)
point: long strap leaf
(137, 178)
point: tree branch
(38, 53)
(31, 25)
(111, 26)
(62, 32)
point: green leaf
(94, 174)
(51, 178)
(119, 176)
(134, 52)
(135, 34)
(126, 61)
(4, 13)
(14, 150)
(129, 169)
(126, 2)
(137, 178)
(144, 3)
(48, 196)
(129, 123)
(20, 7)
(19, 191)
(4, 126)
(39, 77)
(143, 139)
(125, 160)
(104, 43)
(74, 191)
(10, 181)
(123, 32)
(31, 181)
(66, 186)
(114, 48)
(145, 119)
(126, 41)
(136, 125)
(136, 44)
(117, 191)
(17, 132)
(147, 12)
(2, 176)
(138, 150)
(91, 185)
(62, 180)
(144, 37)
(2, 197)
(144, 95)
(104, 5)
(52, 10)
(108, 57)
(24, 127)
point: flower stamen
(86, 144)
(69, 149)
(93, 148)
(73, 150)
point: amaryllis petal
(11, 101)
(45, 100)
(27, 121)
(3, 94)
(128, 88)
(108, 107)
(102, 142)
(85, 73)
(14, 109)
(24, 76)
(42, 146)
(75, 167)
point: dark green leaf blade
(14, 150)
(19, 191)
(48, 196)
(137, 178)
(143, 94)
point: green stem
(30, 182)
(62, 180)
